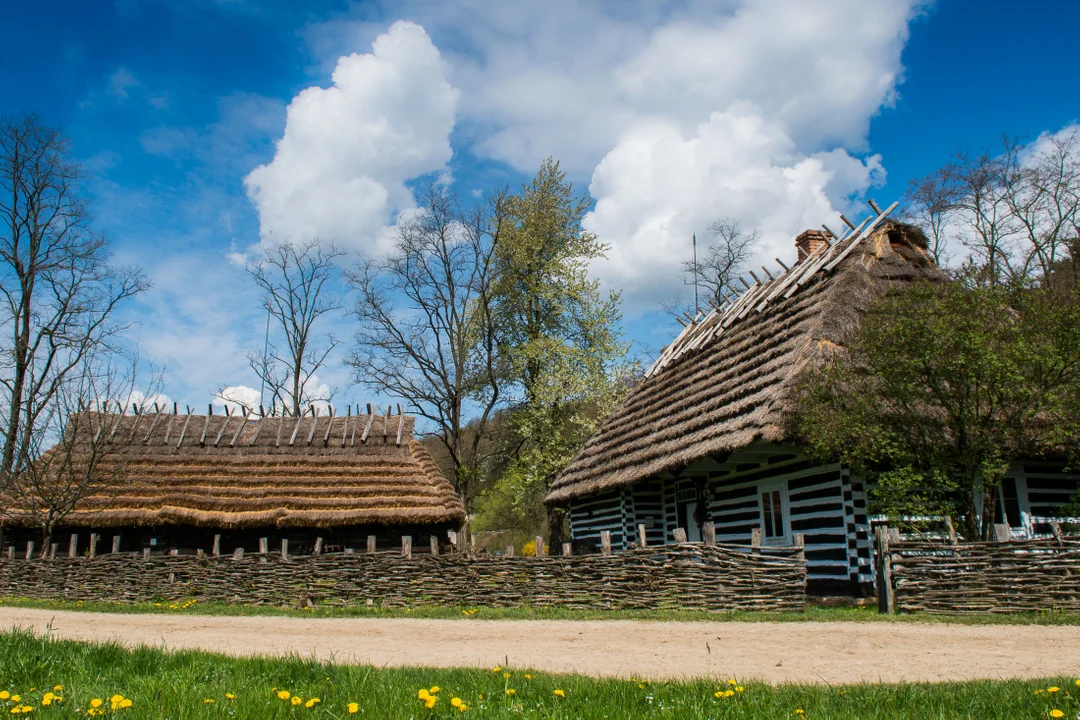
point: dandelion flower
(455, 702)
(230, 696)
(353, 708)
(283, 694)
(739, 688)
(4, 694)
(95, 703)
(296, 700)
(208, 701)
(529, 677)
(506, 675)
(423, 694)
(60, 688)
(1078, 682)
(124, 704)
(560, 693)
(1038, 692)
(429, 701)
(1053, 689)
(511, 691)
(16, 698)
(1056, 714)
(799, 712)
(462, 707)
(732, 682)
(434, 689)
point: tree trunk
(556, 520)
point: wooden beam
(329, 427)
(367, 428)
(296, 429)
(642, 536)
(206, 426)
(605, 542)
(217, 546)
(370, 544)
(153, 424)
(434, 542)
(400, 425)
(314, 426)
(679, 535)
(73, 546)
(183, 430)
(224, 425)
(115, 544)
(386, 425)
(239, 429)
(708, 529)
(406, 547)
(345, 426)
(567, 549)
(540, 551)
(318, 546)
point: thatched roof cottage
(177, 480)
(703, 437)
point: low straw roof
(731, 390)
(236, 472)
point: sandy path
(798, 651)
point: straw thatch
(731, 390)
(236, 472)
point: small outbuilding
(184, 482)
(704, 438)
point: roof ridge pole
(329, 427)
(239, 429)
(222, 430)
(296, 428)
(258, 425)
(281, 423)
(153, 424)
(345, 425)
(314, 425)
(400, 424)
(183, 430)
(370, 422)
(386, 423)
(206, 426)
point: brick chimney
(809, 241)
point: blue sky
(780, 113)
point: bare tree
(80, 449)
(296, 281)
(717, 267)
(1015, 212)
(58, 292)
(426, 332)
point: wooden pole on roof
(183, 430)
(400, 425)
(386, 424)
(314, 425)
(345, 425)
(296, 428)
(206, 426)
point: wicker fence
(1006, 576)
(691, 575)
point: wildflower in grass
(60, 688)
(423, 694)
(1056, 714)
(560, 693)
(16, 698)
(434, 690)
(739, 688)
(511, 691)
(1053, 689)
(732, 682)
(506, 675)
(799, 712)
(230, 696)
(430, 701)
(312, 703)
(296, 700)
(528, 677)
(4, 694)
(1078, 682)
(125, 704)
(1038, 692)
(496, 669)
(353, 708)
(455, 702)
(283, 694)
(208, 701)
(47, 699)
(95, 703)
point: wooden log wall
(980, 577)
(690, 576)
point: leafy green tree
(941, 389)
(560, 335)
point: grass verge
(811, 614)
(201, 686)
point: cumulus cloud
(341, 167)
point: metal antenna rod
(697, 305)
(266, 350)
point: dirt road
(797, 651)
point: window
(774, 526)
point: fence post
(11, 552)
(52, 550)
(540, 546)
(217, 545)
(284, 548)
(510, 550)
(318, 546)
(406, 546)
(567, 549)
(73, 546)
(755, 540)
(370, 544)
(709, 531)
(434, 546)
(679, 535)
(93, 544)
(238, 554)
(29, 549)
(146, 553)
(886, 599)
(1055, 530)
(799, 541)
(643, 540)
(1001, 532)
(605, 542)
(264, 548)
(115, 544)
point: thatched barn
(703, 437)
(175, 481)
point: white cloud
(120, 82)
(236, 397)
(680, 112)
(341, 166)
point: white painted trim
(785, 511)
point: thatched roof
(231, 472)
(725, 382)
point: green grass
(812, 613)
(174, 685)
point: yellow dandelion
(799, 712)
(528, 677)
(296, 700)
(60, 688)
(434, 689)
(230, 696)
(455, 702)
(718, 694)
(312, 703)
(208, 701)
(560, 693)
(353, 708)
(496, 669)
(1053, 689)
(732, 682)
(506, 675)
(283, 694)
(124, 704)
(1078, 682)
(430, 701)
(462, 707)
(16, 698)
(511, 691)
(423, 694)
(1056, 714)
(739, 688)
(4, 694)
(95, 703)
(1038, 692)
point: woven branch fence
(1007, 576)
(719, 578)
